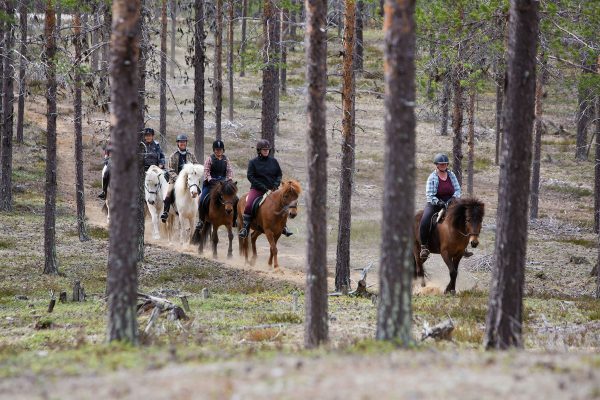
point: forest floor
(246, 340)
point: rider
(441, 189)
(178, 159)
(153, 155)
(217, 167)
(264, 175)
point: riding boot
(167, 206)
(287, 232)
(424, 252)
(467, 253)
(246, 228)
(201, 217)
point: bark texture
(470, 141)
(163, 70)
(457, 123)
(342, 264)
(50, 264)
(230, 57)
(394, 316)
(22, 70)
(8, 100)
(173, 36)
(316, 331)
(584, 112)
(122, 255)
(270, 73)
(79, 188)
(445, 104)
(597, 170)
(284, 34)
(537, 143)
(218, 83)
(499, 107)
(359, 52)
(243, 38)
(199, 62)
(505, 307)
(142, 60)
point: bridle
(157, 187)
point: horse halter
(157, 188)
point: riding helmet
(218, 144)
(263, 144)
(441, 158)
(181, 138)
(148, 131)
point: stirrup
(424, 253)
(243, 233)
(287, 232)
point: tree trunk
(471, 141)
(457, 122)
(584, 113)
(597, 169)
(243, 39)
(199, 62)
(294, 22)
(79, 188)
(163, 70)
(230, 57)
(446, 92)
(394, 317)
(358, 53)
(104, 82)
(499, 108)
(173, 35)
(122, 255)
(22, 70)
(342, 265)
(7, 110)
(537, 144)
(270, 76)
(95, 38)
(504, 322)
(50, 264)
(218, 83)
(315, 325)
(283, 64)
(142, 61)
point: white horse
(155, 190)
(187, 190)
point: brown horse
(450, 238)
(270, 219)
(223, 196)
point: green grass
(7, 243)
(482, 163)
(587, 243)
(575, 191)
(97, 232)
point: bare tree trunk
(7, 110)
(283, 64)
(230, 57)
(142, 61)
(163, 70)
(218, 84)
(584, 113)
(471, 141)
(342, 265)
(537, 144)
(122, 255)
(457, 122)
(2, 53)
(173, 35)
(597, 169)
(270, 87)
(22, 70)
(95, 37)
(79, 188)
(316, 330)
(103, 85)
(394, 317)
(359, 52)
(446, 92)
(504, 322)
(499, 110)
(243, 40)
(50, 264)
(199, 60)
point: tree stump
(205, 294)
(63, 297)
(184, 302)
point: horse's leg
(255, 235)
(215, 240)
(154, 217)
(230, 237)
(452, 263)
(273, 246)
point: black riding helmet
(148, 131)
(218, 144)
(262, 144)
(441, 158)
(181, 138)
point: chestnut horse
(450, 238)
(270, 219)
(223, 196)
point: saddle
(257, 203)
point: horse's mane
(154, 169)
(228, 188)
(181, 182)
(292, 185)
(457, 213)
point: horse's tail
(205, 234)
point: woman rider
(216, 168)
(441, 189)
(264, 175)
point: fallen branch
(175, 312)
(441, 331)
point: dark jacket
(153, 155)
(264, 173)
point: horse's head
(152, 184)
(466, 215)
(290, 192)
(195, 174)
(225, 193)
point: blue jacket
(153, 155)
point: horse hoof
(423, 283)
(278, 270)
(450, 292)
(230, 256)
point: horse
(187, 188)
(450, 238)
(270, 219)
(223, 197)
(155, 190)
(105, 204)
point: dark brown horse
(223, 196)
(460, 227)
(270, 219)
